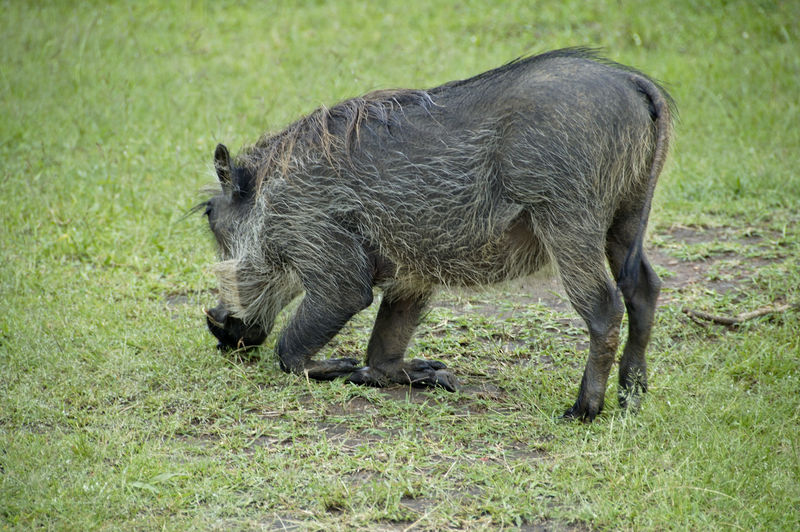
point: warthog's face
(221, 213)
(226, 212)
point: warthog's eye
(207, 212)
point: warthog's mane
(325, 131)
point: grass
(116, 411)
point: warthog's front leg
(313, 326)
(397, 319)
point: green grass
(117, 412)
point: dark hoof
(366, 376)
(630, 392)
(428, 373)
(325, 370)
(417, 373)
(581, 413)
(630, 400)
(441, 378)
(424, 365)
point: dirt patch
(187, 297)
(732, 251)
(681, 274)
(722, 260)
(535, 290)
(405, 394)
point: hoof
(581, 412)
(417, 373)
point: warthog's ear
(222, 163)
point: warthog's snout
(232, 332)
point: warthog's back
(439, 192)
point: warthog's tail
(629, 274)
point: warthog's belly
(516, 252)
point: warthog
(547, 160)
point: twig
(700, 317)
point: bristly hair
(324, 131)
(593, 54)
(589, 53)
(337, 128)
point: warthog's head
(227, 213)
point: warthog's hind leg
(598, 301)
(602, 319)
(640, 288)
